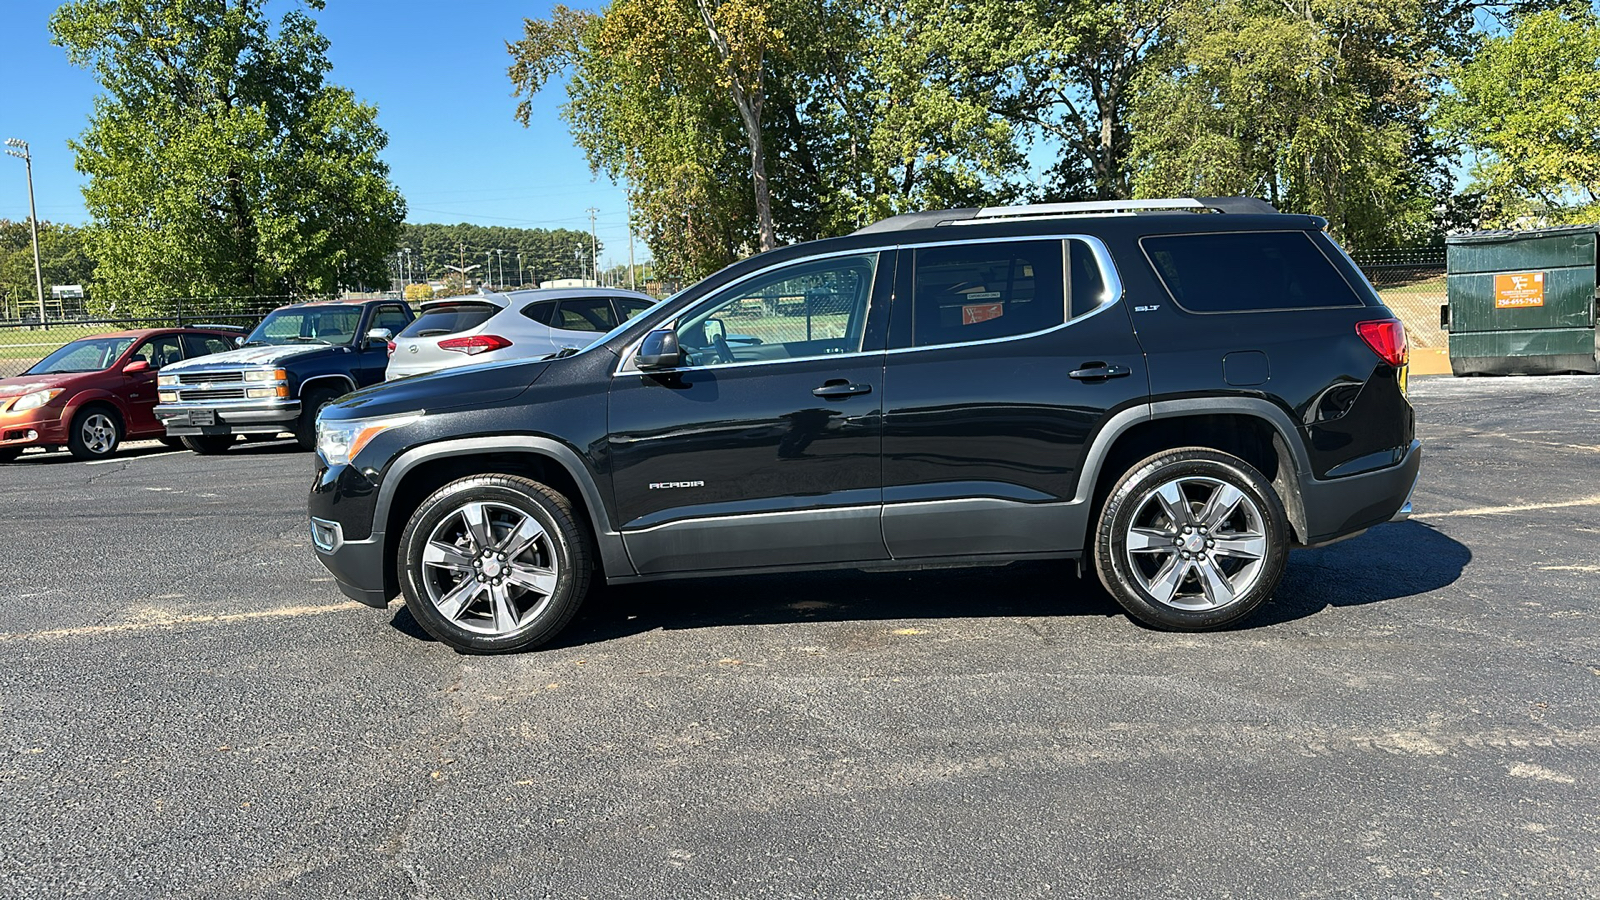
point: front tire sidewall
(1117, 516)
(569, 543)
(78, 445)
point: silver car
(459, 331)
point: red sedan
(94, 393)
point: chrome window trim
(1109, 297)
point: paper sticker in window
(981, 312)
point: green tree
(857, 118)
(63, 259)
(1527, 107)
(220, 160)
(1317, 105)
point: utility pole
(463, 267)
(488, 268)
(520, 282)
(630, 245)
(33, 219)
(502, 255)
(594, 245)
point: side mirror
(379, 336)
(239, 341)
(714, 331)
(136, 367)
(659, 351)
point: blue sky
(437, 72)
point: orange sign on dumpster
(1518, 289)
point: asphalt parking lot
(189, 707)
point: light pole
(520, 282)
(407, 252)
(501, 254)
(13, 146)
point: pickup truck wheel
(305, 430)
(95, 433)
(1191, 540)
(208, 444)
(173, 442)
(494, 564)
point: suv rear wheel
(494, 563)
(1191, 540)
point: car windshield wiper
(307, 340)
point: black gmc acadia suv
(1180, 391)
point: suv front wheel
(494, 563)
(1191, 540)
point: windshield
(90, 355)
(308, 325)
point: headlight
(35, 399)
(340, 440)
(266, 375)
(167, 396)
(166, 380)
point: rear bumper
(1339, 507)
(231, 419)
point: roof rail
(1081, 208)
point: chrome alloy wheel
(1196, 543)
(99, 433)
(489, 568)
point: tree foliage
(546, 254)
(63, 259)
(857, 118)
(1527, 105)
(220, 160)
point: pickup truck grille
(209, 377)
(213, 394)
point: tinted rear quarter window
(1247, 271)
(450, 318)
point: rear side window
(449, 319)
(585, 315)
(631, 308)
(1247, 272)
(205, 344)
(974, 292)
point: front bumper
(40, 427)
(241, 419)
(357, 566)
(1340, 507)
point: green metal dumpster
(1523, 302)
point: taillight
(472, 346)
(390, 348)
(1387, 338)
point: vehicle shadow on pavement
(1022, 590)
(1391, 561)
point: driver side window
(813, 309)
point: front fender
(94, 395)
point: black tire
(175, 443)
(9, 454)
(95, 433)
(478, 603)
(305, 428)
(1171, 574)
(208, 444)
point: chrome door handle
(838, 390)
(1099, 372)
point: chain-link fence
(1411, 283)
(26, 341)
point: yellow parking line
(157, 622)
(1502, 510)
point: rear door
(1005, 355)
(763, 448)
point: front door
(1006, 358)
(762, 449)
(140, 388)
